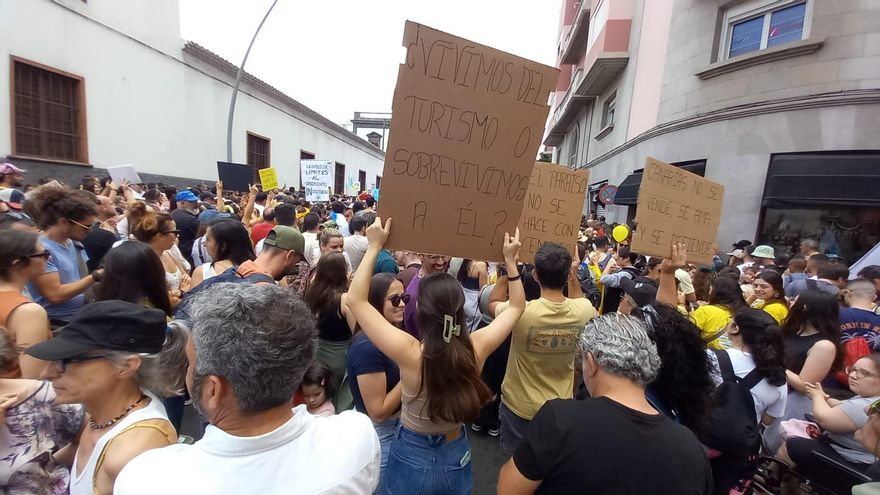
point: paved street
(486, 455)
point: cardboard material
(235, 176)
(552, 208)
(124, 172)
(317, 179)
(675, 206)
(468, 121)
(269, 179)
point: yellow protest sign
(268, 178)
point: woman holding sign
(440, 375)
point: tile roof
(231, 69)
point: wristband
(514, 279)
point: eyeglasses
(77, 223)
(175, 232)
(397, 298)
(858, 373)
(61, 364)
(43, 254)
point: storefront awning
(628, 191)
(845, 179)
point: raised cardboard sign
(552, 209)
(317, 176)
(467, 120)
(124, 172)
(269, 179)
(235, 176)
(677, 206)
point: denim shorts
(513, 428)
(428, 464)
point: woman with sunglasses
(440, 375)
(325, 296)
(374, 378)
(839, 421)
(22, 259)
(160, 232)
(65, 217)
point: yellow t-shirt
(710, 319)
(542, 352)
(778, 311)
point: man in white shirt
(311, 227)
(249, 349)
(356, 244)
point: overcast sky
(341, 56)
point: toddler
(318, 389)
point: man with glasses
(66, 217)
(186, 217)
(431, 263)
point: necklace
(96, 426)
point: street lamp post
(238, 82)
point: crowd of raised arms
(317, 361)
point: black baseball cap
(114, 325)
(742, 244)
(643, 290)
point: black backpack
(732, 428)
(231, 275)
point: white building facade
(90, 85)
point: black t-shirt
(188, 226)
(98, 243)
(364, 358)
(599, 446)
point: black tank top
(333, 327)
(796, 348)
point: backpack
(732, 429)
(231, 275)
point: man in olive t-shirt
(543, 344)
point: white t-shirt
(305, 455)
(355, 247)
(313, 248)
(769, 399)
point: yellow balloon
(620, 233)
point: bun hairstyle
(450, 374)
(144, 224)
(763, 337)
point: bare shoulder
(141, 437)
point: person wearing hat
(283, 248)
(116, 359)
(186, 217)
(764, 256)
(13, 199)
(11, 176)
(637, 293)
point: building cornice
(836, 99)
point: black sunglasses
(175, 232)
(397, 298)
(43, 254)
(62, 363)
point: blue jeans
(428, 465)
(386, 430)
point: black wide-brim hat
(114, 325)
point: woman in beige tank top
(440, 375)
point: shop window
(762, 24)
(847, 232)
(48, 113)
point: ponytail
(763, 337)
(162, 373)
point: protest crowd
(320, 362)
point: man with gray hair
(250, 347)
(614, 442)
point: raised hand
(377, 234)
(511, 246)
(677, 259)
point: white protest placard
(124, 172)
(317, 177)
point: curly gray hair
(162, 373)
(260, 338)
(621, 346)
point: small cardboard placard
(269, 179)
(468, 120)
(552, 210)
(317, 176)
(677, 206)
(235, 176)
(124, 172)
